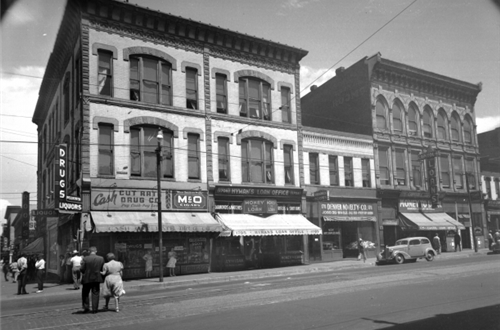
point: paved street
(456, 290)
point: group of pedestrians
(493, 239)
(21, 272)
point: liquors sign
(64, 203)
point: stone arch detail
(285, 84)
(219, 134)
(106, 120)
(188, 64)
(221, 71)
(195, 130)
(145, 120)
(288, 142)
(257, 134)
(255, 74)
(97, 45)
(149, 51)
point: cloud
(486, 124)
(310, 76)
(21, 13)
(20, 84)
(296, 4)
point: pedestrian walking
(490, 239)
(436, 244)
(361, 250)
(91, 269)
(22, 264)
(5, 269)
(172, 260)
(14, 270)
(113, 283)
(76, 262)
(62, 268)
(458, 242)
(40, 272)
(149, 263)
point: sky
(455, 38)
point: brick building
(406, 111)
(227, 107)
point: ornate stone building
(407, 110)
(227, 107)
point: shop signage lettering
(133, 199)
(44, 213)
(416, 205)
(260, 192)
(189, 200)
(350, 209)
(260, 206)
(25, 215)
(63, 202)
(321, 195)
(239, 207)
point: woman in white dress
(113, 284)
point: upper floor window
(106, 149)
(469, 171)
(150, 80)
(416, 169)
(257, 161)
(497, 188)
(381, 115)
(428, 123)
(397, 118)
(413, 120)
(365, 172)
(223, 158)
(221, 90)
(458, 172)
(314, 168)
(194, 162)
(445, 170)
(455, 128)
(66, 98)
(288, 162)
(442, 125)
(105, 72)
(191, 88)
(143, 144)
(286, 115)
(400, 167)
(348, 177)
(76, 74)
(255, 98)
(383, 165)
(334, 170)
(467, 131)
(487, 183)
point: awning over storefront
(34, 247)
(148, 222)
(348, 218)
(277, 224)
(428, 221)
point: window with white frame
(314, 168)
(191, 88)
(143, 144)
(150, 80)
(458, 172)
(223, 158)
(194, 161)
(365, 172)
(288, 163)
(444, 162)
(400, 174)
(348, 172)
(255, 98)
(221, 91)
(257, 161)
(105, 72)
(106, 149)
(334, 170)
(383, 165)
(286, 113)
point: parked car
(407, 249)
(495, 248)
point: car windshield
(402, 242)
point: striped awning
(428, 221)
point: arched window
(381, 115)
(257, 161)
(255, 98)
(455, 127)
(143, 144)
(468, 130)
(442, 125)
(428, 123)
(150, 80)
(397, 118)
(413, 119)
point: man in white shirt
(76, 261)
(22, 265)
(40, 272)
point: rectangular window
(334, 170)
(255, 98)
(257, 161)
(383, 165)
(105, 73)
(416, 169)
(221, 91)
(288, 162)
(497, 188)
(469, 169)
(223, 158)
(314, 168)
(348, 177)
(286, 116)
(458, 172)
(365, 172)
(143, 145)
(191, 88)
(400, 167)
(105, 158)
(194, 156)
(487, 182)
(150, 80)
(445, 171)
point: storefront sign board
(260, 206)
(417, 205)
(189, 200)
(258, 192)
(348, 209)
(63, 202)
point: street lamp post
(159, 137)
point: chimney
(339, 70)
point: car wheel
(429, 256)
(399, 259)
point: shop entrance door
(349, 239)
(389, 235)
(466, 238)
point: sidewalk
(9, 289)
